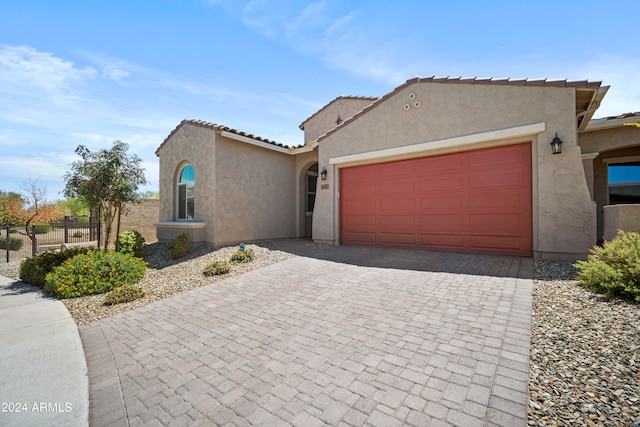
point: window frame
(185, 195)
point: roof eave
(585, 116)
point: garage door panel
(397, 203)
(447, 201)
(496, 200)
(386, 171)
(355, 175)
(441, 241)
(438, 221)
(361, 220)
(355, 206)
(443, 164)
(476, 201)
(440, 183)
(398, 238)
(495, 180)
(360, 189)
(486, 223)
(400, 187)
(507, 154)
(397, 220)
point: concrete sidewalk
(43, 374)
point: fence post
(66, 229)
(6, 243)
(34, 241)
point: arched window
(186, 190)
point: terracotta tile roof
(610, 122)
(621, 116)
(578, 84)
(502, 81)
(220, 128)
(367, 98)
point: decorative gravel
(585, 350)
(165, 277)
(585, 354)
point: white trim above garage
(449, 145)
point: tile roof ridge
(222, 128)
(621, 116)
(503, 81)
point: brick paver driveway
(346, 336)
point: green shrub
(217, 268)
(131, 242)
(15, 244)
(124, 293)
(242, 254)
(614, 269)
(180, 246)
(42, 228)
(95, 272)
(33, 270)
(78, 234)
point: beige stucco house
(438, 163)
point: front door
(311, 182)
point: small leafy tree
(28, 208)
(107, 179)
(11, 208)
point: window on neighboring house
(186, 192)
(624, 182)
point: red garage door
(474, 201)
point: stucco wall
(563, 213)
(242, 192)
(190, 145)
(609, 139)
(256, 193)
(326, 119)
(614, 142)
(621, 217)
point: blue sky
(93, 71)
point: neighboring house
(438, 163)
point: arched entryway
(310, 188)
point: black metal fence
(16, 243)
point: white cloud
(27, 75)
(326, 31)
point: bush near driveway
(33, 270)
(179, 246)
(614, 269)
(242, 254)
(130, 242)
(124, 293)
(217, 268)
(95, 272)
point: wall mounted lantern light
(323, 174)
(556, 145)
